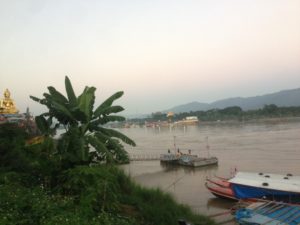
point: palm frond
(112, 109)
(107, 103)
(97, 144)
(106, 119)
(86, 101)
(57, 96)
(70, 92)
(42, 124)
(61, 108)
(117, 134)
(35, 99)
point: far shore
(259, 120)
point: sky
(161, 53)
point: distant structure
(10, 114)
(170, 116)
(190, 120)
(7, 105)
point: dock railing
(144, 157)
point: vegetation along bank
(64, 182)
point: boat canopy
(267, 181)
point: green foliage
(83, 126)
(62, 182)
(156, 207)
(96, 187)
(88, 195)
(12, 142)
(25, 206)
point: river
(272, 147)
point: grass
(90, 195)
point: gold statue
(7, 105)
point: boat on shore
(245, 185)
(220, 188)
(268, 213)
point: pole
(175, 144)
(207, 147)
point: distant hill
(281, 98)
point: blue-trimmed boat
(269, 213)
(245, 185)
(277, 187)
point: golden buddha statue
(7, 105)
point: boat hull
(252, 185)
(221, 190)
(244, 191)
(169, 158)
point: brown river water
(272, 147)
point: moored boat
(220, 190)
(266, 185)
(169, 158)
(269, 213)
(195, 161)
(245, 185)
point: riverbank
(91, 195)
(35, 188)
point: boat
(270, 186)
(195, 161)
(268, 213)
(188, 159)
(220, 188)
(169, 158)
(246, 185)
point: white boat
(266, 185)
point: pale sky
(161, 53)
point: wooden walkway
(143, 157)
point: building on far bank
(189, 120)
(170, 116)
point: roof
(279, 182)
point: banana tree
(83, 126)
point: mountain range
(281, 98)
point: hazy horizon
(160, 53)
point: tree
(271, 110)
(12, 142)
(83, 126)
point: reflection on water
(187, 169)
(266, 147)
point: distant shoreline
(259, 120)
